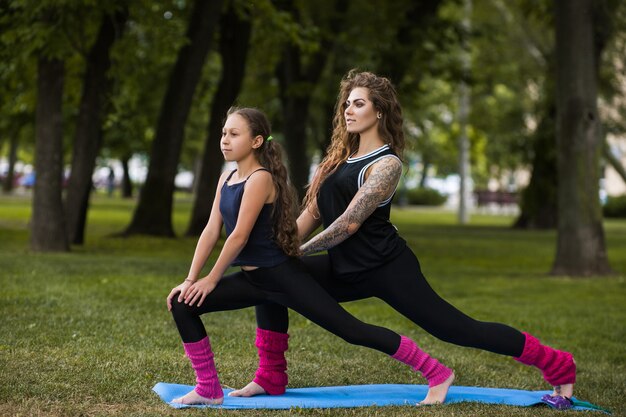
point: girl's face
(237, 142)
(360, 114)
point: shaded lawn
(87, 333)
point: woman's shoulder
(388, 161)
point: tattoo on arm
(379, 186)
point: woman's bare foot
(194, 398)
(438, 393)
(565, 390)
(249, 390)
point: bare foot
(249, 390)
(437, 394)
(565, 390)
(194, 398)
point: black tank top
(377, 240)
(261, 250)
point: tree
(88, 133)
(298, 74)
(581, 249)
(538, 202)
(235, 31)
(48, 222)
(153, 215)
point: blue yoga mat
(361, 396)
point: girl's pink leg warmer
(272, 372)
(410, 354)
(558, 367)
(201, 357)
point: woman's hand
(199, 291)
(179, 289)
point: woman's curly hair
(343, 144)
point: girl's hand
(181, 290)
(199, 291)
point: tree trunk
(234, 44)
(127, 185)
(7, 187)
(539, 199)
(612, 160)
(581, 249)
(48, 221)
(424, 176)
(296, 85)
(88, 136)
(153, 215)
(463, 214)
(295, 110)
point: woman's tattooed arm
(379, 186)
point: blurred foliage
(510, 43)
(615, 207)
(420, 196)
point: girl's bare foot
(438, 393)
(249, 390)
(194, 398)
(565, 390)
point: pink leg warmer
(410, 354)
(558, 367)
(272, 372)
(201, 357)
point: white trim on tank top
(352, 160)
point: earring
(379, 115)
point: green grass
(87, 333)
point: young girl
(255, 204)
(350, 195)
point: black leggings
(401, 284)
(288, 285)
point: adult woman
(255, 205)
(350, 195)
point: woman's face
(360, 114)
(236, 142)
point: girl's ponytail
(285, 207)
(270, 156)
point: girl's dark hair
(269, 155)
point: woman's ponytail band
(269, 138)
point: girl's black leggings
(401, 284)
(287, 285)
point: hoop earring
(378, 116)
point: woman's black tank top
(377, 240)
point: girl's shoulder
(260, 172)
(260, 177)
(226, 175)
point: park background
(110, 122)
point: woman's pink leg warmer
(410, 354)
(558, 367)
(201, 357)
(272, 372)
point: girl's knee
(180, 309)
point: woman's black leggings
(401, 284)
(287, 285)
